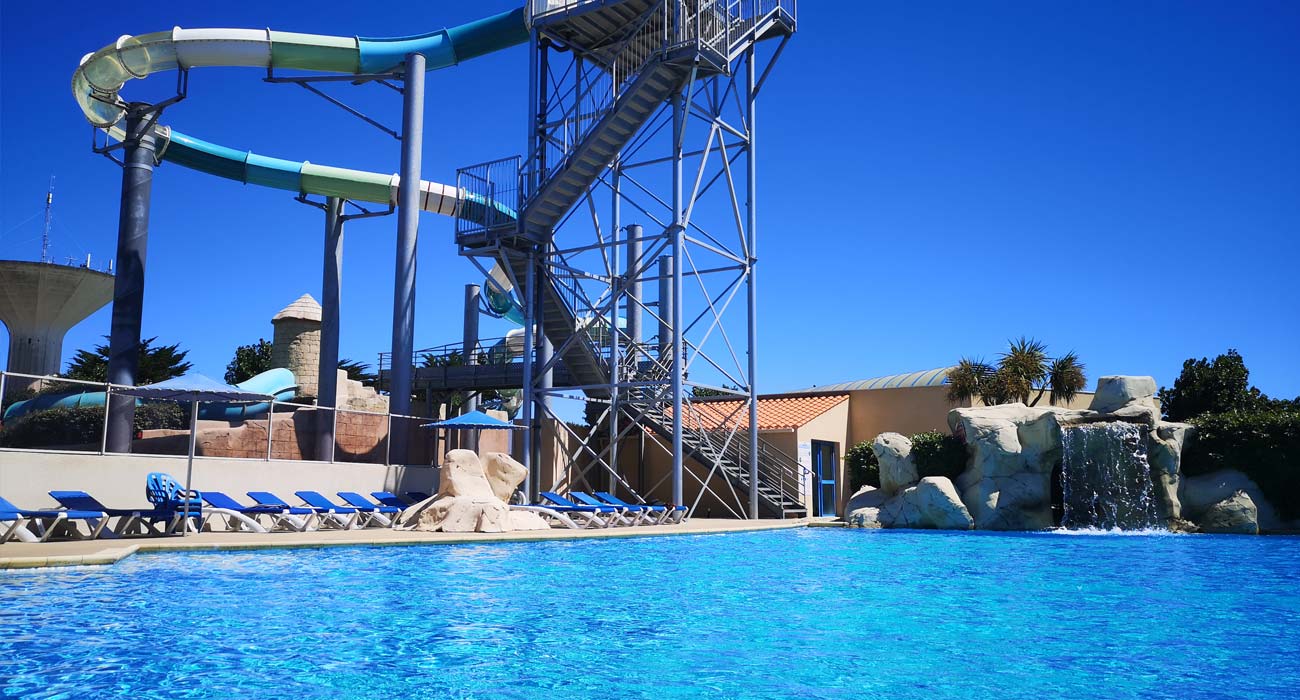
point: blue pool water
(794, 613)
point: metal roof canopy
(929, 377)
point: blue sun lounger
(47, 522)
(357, 518)
(324, 517)
(130, 521)
(390, 499)
(381, 514)
(662, 514)
(280, 518)
(607, 516)
(623, 512)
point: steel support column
(634, 286)
(408, 223)
(138, 160)
(469, 351)
(530, 354)
(678, 345)
(665, 309)
(327, 369)
(751, 262)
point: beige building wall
(912, 410)
(831, 426)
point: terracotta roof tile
(779, 413)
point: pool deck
(25, 555)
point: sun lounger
(607, 515)
(130, 521)
(629, 516)
(15, 522)
(390, 499)
(166, 494)
(416, 496)
(325, 518)
(662, 514)
(280, 518)
(381, 514)
(359, 518)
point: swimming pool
(791, 613)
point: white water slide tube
(102, 74)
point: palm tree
(1065, 378)
(1023, 368)
(967, 380)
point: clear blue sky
(1120, 179)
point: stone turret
(296, 342)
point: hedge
(938, 454)
(1264, 445)
(66, 427)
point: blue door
(826, 464)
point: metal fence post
(103, 433)
(270, 428)
(388, 443)
(334, 433)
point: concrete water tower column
(39, 303)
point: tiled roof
(304, 307)
(929, 377)
(778, 413)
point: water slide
(278, 382)
(101, 76)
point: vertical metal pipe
(616, 293)
(634, 287)
(751, 283)
(530, 353)
(139, 157)
(469, 350)
(328, 367)
(408, 223)
(665, 308)
(676, 313)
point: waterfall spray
(1106, 479)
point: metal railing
(781, 478)
(275, 431)
(491, 194)
(488, 351)
(666, 26)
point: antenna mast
(49, 216)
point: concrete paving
(24, 555)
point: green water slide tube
(99, 79)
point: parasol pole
(189, 468)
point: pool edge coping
(114, 554)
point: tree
(156, 364)
(358, 371)
(1218, 386)
(1023, 371)
(249, 361)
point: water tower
(39, 302)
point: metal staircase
(647, 52)
(781, 478)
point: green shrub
(864, 470)
(1264, 445)
(66, 427)
(938, 454)
(162, 415)
(56, 427)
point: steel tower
(630, 227)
